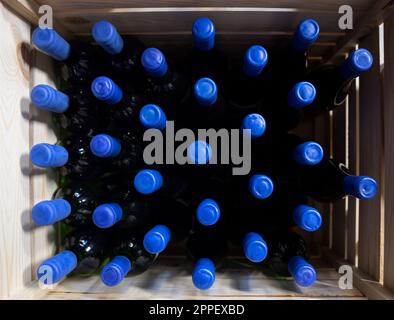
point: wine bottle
(123, 106)
(128, 257)
(333, 82)
(288, 257)
(84, 250)
(73, 110)
(289, 62)
(330, 181)
(165, 85)
(125, 209)
(72, 204)
(122, 56)
(119, 154)
(71, 156)
(244, 85)
(207, 248)
(77, 61)
(205, 59)
(206, 109)
(175, 225)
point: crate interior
(352, 231)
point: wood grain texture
(174, 282)
(354, 166)
(28, 9)
(388, 85)
(340, 154)
(15, 243)
(371, 288)
(376, 14)
(305, 4)
(181, 19)
(42, 185)
(371, 151)
(322, 136)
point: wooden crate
(355, 233)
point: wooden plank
(28, 9)
(174, 282)
(181, 19)
(376, 14)
(322, 136)
(315, 5)
(42, 185)
(340, 154)
(15, 243)
(362, 281)
(354, 166)
(388, 85)
(371, 150)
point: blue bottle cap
(106, 35)
(303, 273)
(49, 212)
(106, 215)
(307, 218)
(114, 271)
(48, 98)
(156, 239)
(255, 60)
(154, 62)
(255, 123)
(148, 181)
(57, 267)
(204, 34)
(362, 187)
(306, 35)
(301, 95)
(255, 248)
(152, 116)
(46, 155)
(208, 212)
(50, 42)
(106, 90)
(203, 275)
(261, 186)
(308, 153)
(199, 152)
(358, 62)
(206, 92)
(105, 146)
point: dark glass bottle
(71, 156)
(164, 84)
(287, 257)
(333, 82)
(72, 204)
(207, 248)
(288, 150)
(289, 62)
(84, 250)
(331, 181)
(206, 60)
(77, 62)
(122, 56)
(174, 225)
(245, 84)
(123, 106)
(128, 257)
(124, 208)
(123, 153)
(205, 109)
(284, 112)
(74, 110)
